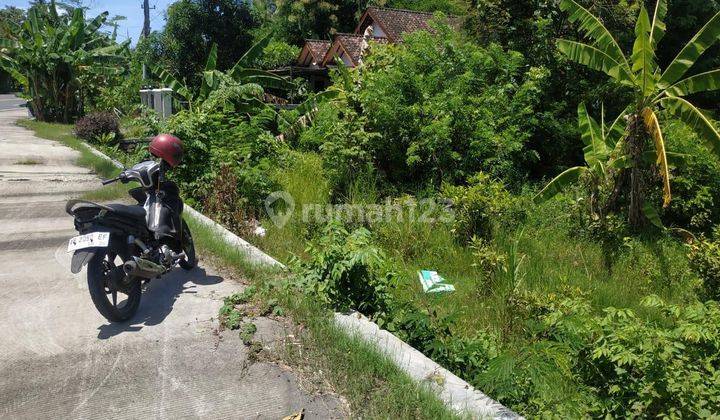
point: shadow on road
(158, 299)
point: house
(377, 24)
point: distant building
(377, 24)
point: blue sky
(132, 9)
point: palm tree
(53, 56)
(655, 90)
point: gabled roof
(348, 44)
(315, 49)
(395, 22)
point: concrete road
(61, 359)
(10, 101)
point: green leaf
(692, 116)
(658, 26)
(703, 40)
(170, 81)
(702, 82)
(591, 134)
(253, 53)
(617, 129)
(559, 183)
(652, 215)
(595, 30)
(595, 59)
(643, 56)
(211, 63)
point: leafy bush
(481, 204)
(446, 109)
(705, 260)
(347, 271)
(695, 203)
(214, 140)
(94, 126)
(618, 364)
(277, 54)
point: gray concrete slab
(11, 102)
(59, 358)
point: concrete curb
(453, 391)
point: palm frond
(595, 30)
(211, 63)
(703, 40)
(596, 59)
(658, 26)
(703, 82)
(560, 182)
(253, 53)
(643, 56)
(693, 117)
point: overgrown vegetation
(567, 305)
(59, 58)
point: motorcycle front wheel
(117, 303)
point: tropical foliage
(56, 57)
(442, 140)
(654, 91)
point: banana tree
(600, 145)
(53, 56)
(240, 73)
(655, 90)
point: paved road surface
(60, 359)
(10, 101)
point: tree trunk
(637, 140)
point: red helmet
(168, 148)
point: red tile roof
(396, 22)
(318, 48)
(351, 44)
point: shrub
(618, 364)
(445, 109)
(481, 205)
(277, 54)
(705, 260)
(695, 184)
(97, 124)
(214, 140)
(346, 271)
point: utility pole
(146, 23)
(146, 30)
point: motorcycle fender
(81, 258)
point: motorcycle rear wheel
(188, 246)
(103, 293)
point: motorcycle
(125, 246)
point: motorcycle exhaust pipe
(139, 267)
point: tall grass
(543, 255)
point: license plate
(91, 240)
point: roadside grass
(371, 383)
(105, 169)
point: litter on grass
(433, 283)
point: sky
(132, 9)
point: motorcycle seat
(134, 212)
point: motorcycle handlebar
(110, 181)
